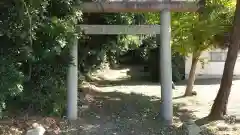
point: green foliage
(138, 54)
(36, 37)
(96, 49)
(11, 80)
(147, 54)
(193, 34)
(178, 65)
(199, 33)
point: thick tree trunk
(219, 107)
(191, 77)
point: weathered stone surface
(191, 128)
(37, 130)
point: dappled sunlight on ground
(122, 114)
(115, 104)
(206, 91)
(196, 107)
(119, 113)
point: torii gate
(165, 6)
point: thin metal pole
(166, 67)
(72, 82)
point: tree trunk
(191, 77)
(195, 56)
(219, 107)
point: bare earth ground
(116, 105)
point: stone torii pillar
(166, 66)
(72, 82)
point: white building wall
(211, 69)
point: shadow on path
(137, 76)
(213, 81)
(125, 81)
(127, 114)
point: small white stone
(37, 130)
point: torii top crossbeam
(139, 6)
